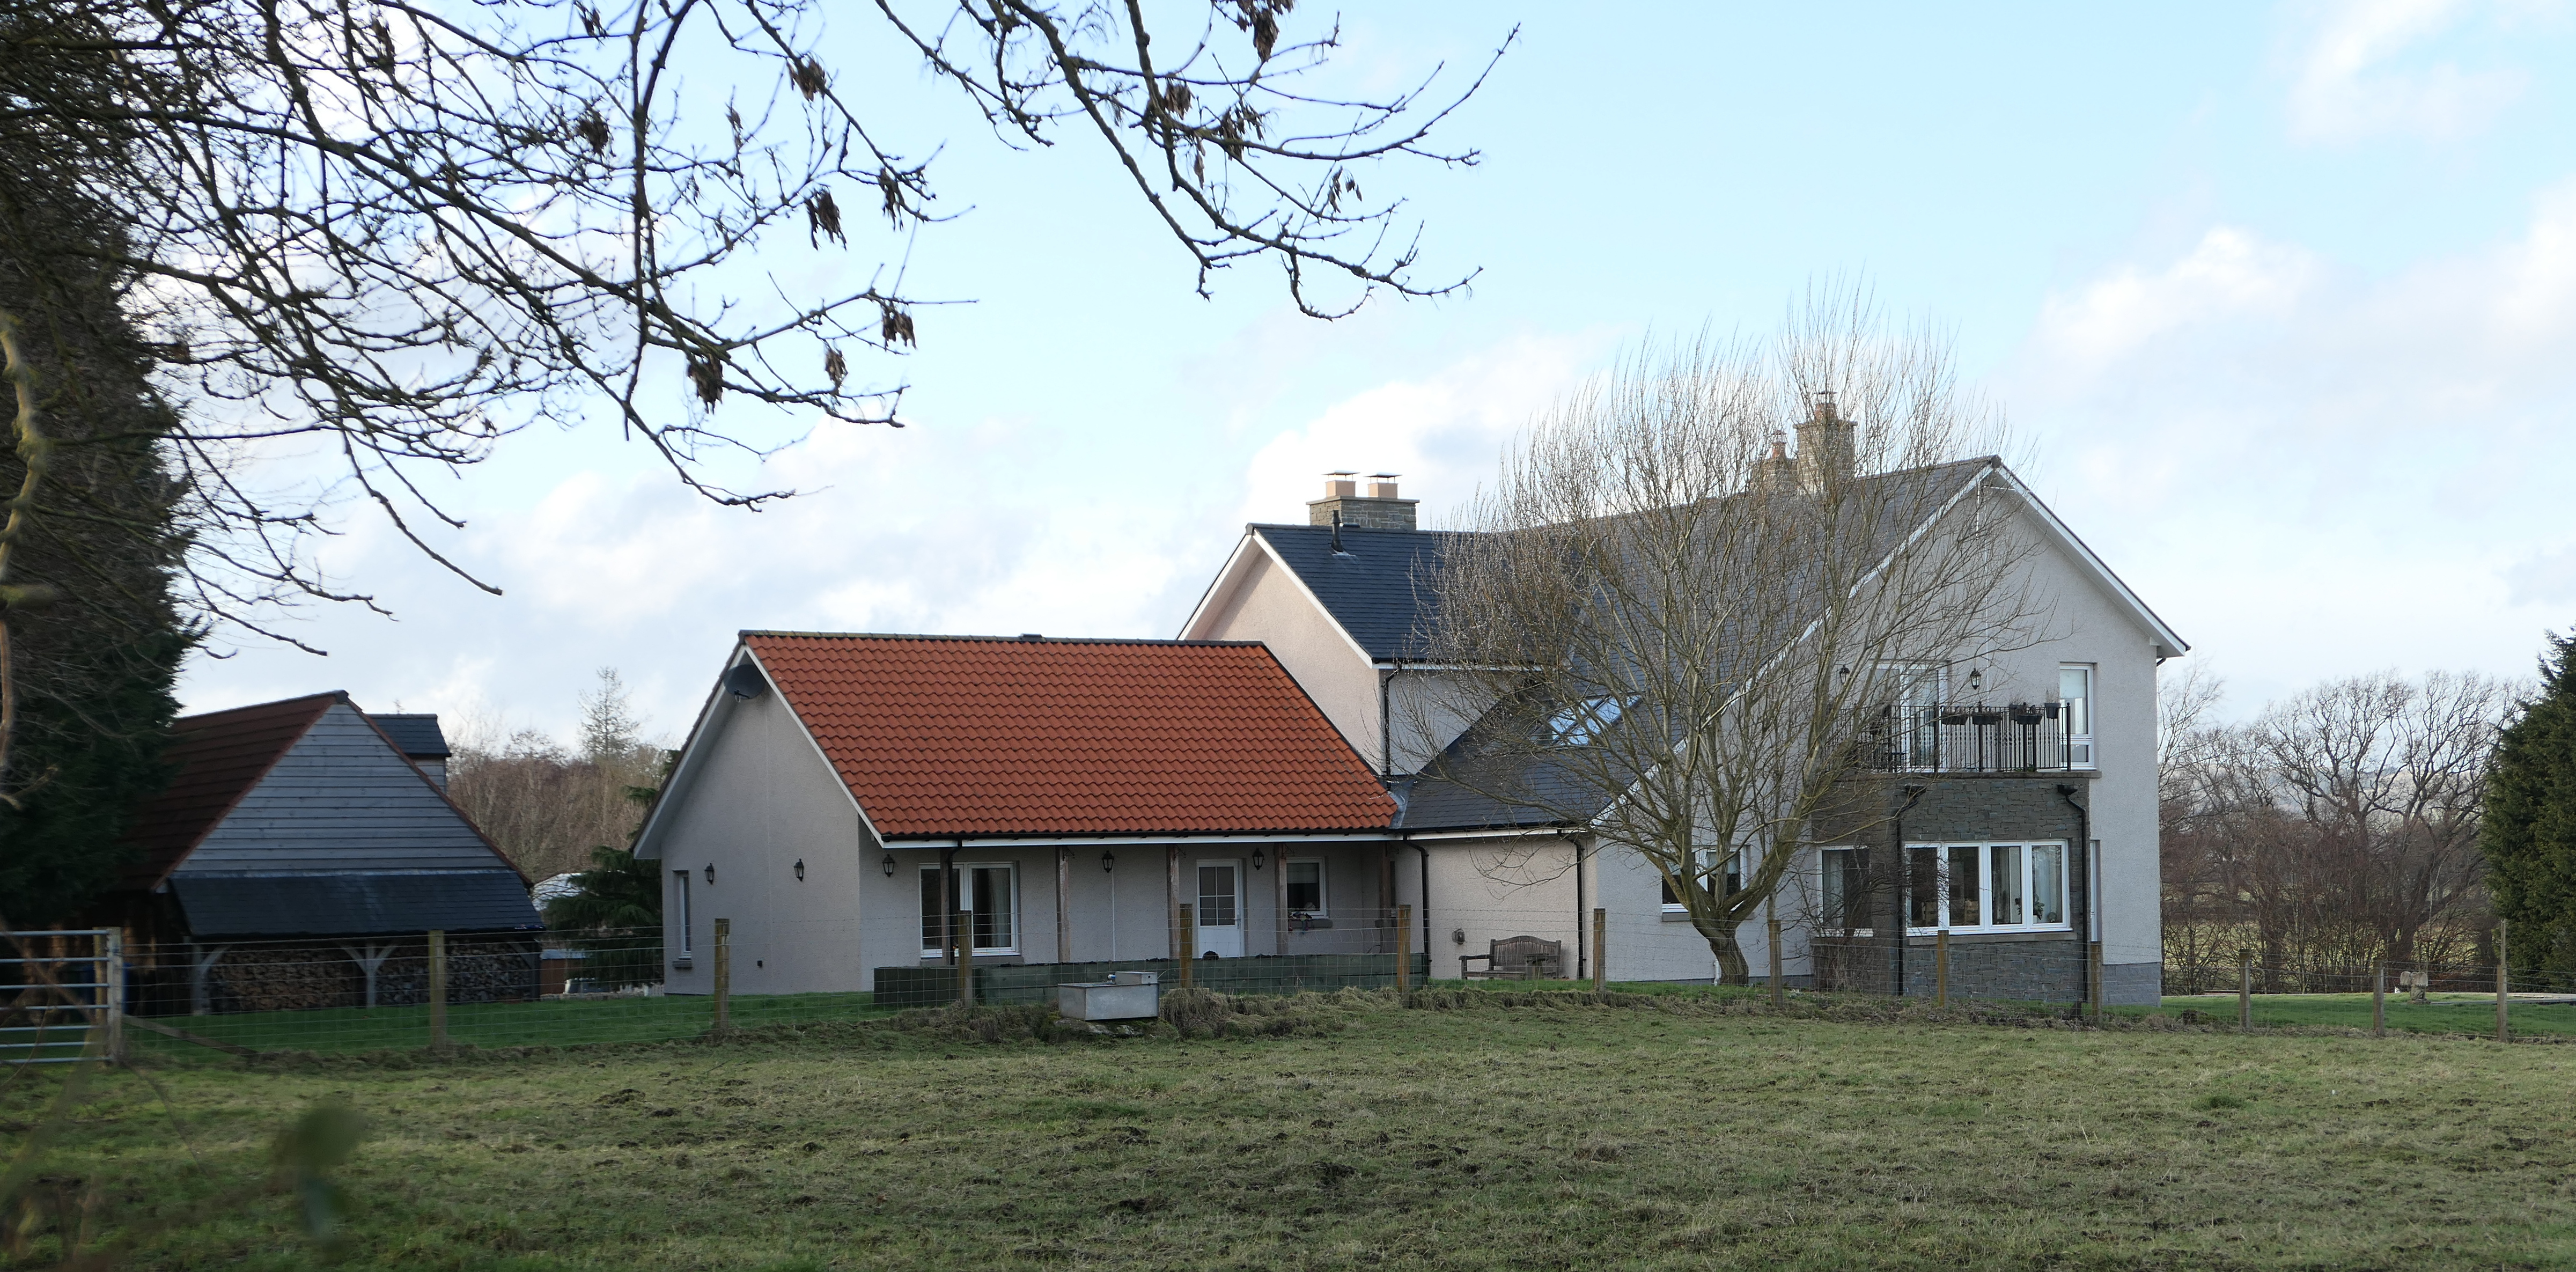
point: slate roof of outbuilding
(941, 736)
(216, 759)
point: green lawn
(550, 1023)
(1472, 1131)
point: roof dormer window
(1580, 724)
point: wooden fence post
(1188, 937)
(2504, 980)
(724, 975)
(438, 990)
(1600, 949)
(1779, 997)
(1403, 948)
(1941, 968)
(111, 994)
(2244, 993)
(2379, 1002)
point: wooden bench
(1515, 958)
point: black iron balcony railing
(2020, 737)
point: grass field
(1503, 1131)
(548, 1023)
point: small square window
(1305, 886)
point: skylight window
(1580, 724)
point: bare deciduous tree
(380, 237)
(1690, 632)
(548, 808)
(2340, 827)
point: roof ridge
(341, 695)
(1002, 640)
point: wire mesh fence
(502, 990)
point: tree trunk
(1732, 969)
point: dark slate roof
(1378, 588)
(218, 758)
(416, 734)
(354, 904)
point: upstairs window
(2075, 689)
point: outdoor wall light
(711, 874)
(1108, 862)
(1457, 936)
(800, 870)
(888, 864)
(1976, 678)
(1258, 859)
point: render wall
(2086, 624)
(1124, 913)
(758, 800)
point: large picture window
(1985, 887)
(991, 900)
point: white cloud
(2310, 470)
(2228, 274)
(1444, 432)
(2345, 91)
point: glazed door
(1220, 909)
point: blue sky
(2281, 299)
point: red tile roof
(941, 736)
(219, 757)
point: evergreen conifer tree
(89, 629)
(2530, 830)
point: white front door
(1220, 909)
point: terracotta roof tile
(941, 736)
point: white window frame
(1986, 898)
(2080, 746)
(1323, 885)
(965, 873)
(1709, 865)
(680, 884)
(1824, 852)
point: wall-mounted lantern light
(1457, 936)
(1976, 679)
(888, 865)
(1258, 859)
(800, 870)
(711, 874)
(1108, 862)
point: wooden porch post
(1279, 900)
(1172, 913)
(1063, 907)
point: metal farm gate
(62, 996)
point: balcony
(2020, 737)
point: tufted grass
(1492, 1131)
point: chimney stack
(1824, 444)
(1379, 509)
